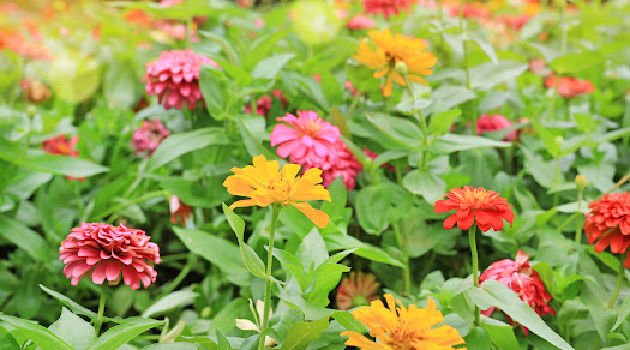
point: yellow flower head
(399, 328)
(265, 184)
(394, 49)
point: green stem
(620, 273)
(579, 222)
(406, 275)
(423, 125)
(182, 274)
(475, 267)
(275, 210)
(101, 308)
(129, 203)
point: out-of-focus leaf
(25, 238)
(61, 165)
(426, 184)
(176, 299)
(372, 204)
(271, 66)
(487, 75)
(452, 143)
(77, 332)
(121, 334)
(74, 306)
(303, 333)
(41, 336)
(176, 145)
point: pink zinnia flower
(360, 22)
(350, 87)
(102, 251)
(346, 166)
(386, 7)
(522, 279)
(492, 123)
(174, 77)
(307, 140)
(264, 103)
(570, 87)
(60, 145)
(149, 136)
(169, 3)
(537, 65)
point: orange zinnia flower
(266, 185)
(391, 50)
(357, 290)
(608, 223)
(401, 328)
(484, 206)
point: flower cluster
(492, 123)
(313, 143)
(16, 42)
(569, 87)
(386, 7)
(174, 78)
(148, 137)
(485, 207)
(103, 251)
(358, 289)
(519, 276)
(608, 223)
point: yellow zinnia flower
(391, 50)
(265, 185)
(399, 328)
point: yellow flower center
(280, 190)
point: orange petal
(318, 217)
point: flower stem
(101, 308)
(423, 125)
(406, 275)
(579, 222)
(475, 267)
(615, 293)
(275, 210)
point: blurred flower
(60, 145)
(34, 91)
(17, 43)
(358, 289)
(523, 280)
(374, 155)
(314, 21)
(137, 16)
(179, 210)
(608, 223)
(525, 130)
(169, 3)
(386, 7)
(537, 65)
(174, 78)
(306, 140)
(350, 87)
(102, 251)
(360, 22)
(346, 166)
(341, 13)
(570, 87)
(264, 103)
(401, 328)
(486, 207)
(247, 325)
(515, 22)
(492, 123)
(148, 137)
(265, 185)
(391, 50)
(471, 10)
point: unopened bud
(401, 68)
(580, 182)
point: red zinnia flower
(522, 279)
(174, 77)
(608, 223)
(486, 207)
(570, 87)
(179, 210)
(148, 137)
(359, 289)
(264, 103)
(102, 251)
(492, 123)
(60, 145)
(386, 7)
(537, 65)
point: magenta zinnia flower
(346, 166)
(174, 78)
(102, 251)
(149, 136)
(492, 123)
(307, 140)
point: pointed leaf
(39, 335)
(121, 334)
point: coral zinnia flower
(492, 123)
(265, 184)
(386, 7)
(179, 210)
(360, 22)
(608, 223)
(522, 279)
(570, 87)
(102, 251)
(391, 50)
(174, 78)
(307, 140)
(486, 207)
(60, 145)
(149, 136)
(401, 328)
(357, 290)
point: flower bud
(580, 182)
(401, 68)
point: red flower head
(102, 251)
(608, 223)
(307, 140)
(570, 87)
(473, 10)
(484, 206)
(174, 78)
(263, 104)
(537, 65)
(60, 145)
(346, 166)
(148, 137)
(522, 279)
(491, 123)
(179, 210)
(359, 289)
(516, 22)
(386, 7)
(360, 22)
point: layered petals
(148, 137)
(358, 289)
(608, 224)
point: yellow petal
(242, 203)
(318, 217)
(289, 171)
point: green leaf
(575, 63)
(73, 305)
(426, 184)
(169, 302)
(624, 311)
(487, 48)
(502, 334)
(401, 131)
(349, 322)
(173, 346)
(303, 333)
(222, 342)
(294, 265)
(77, 332)
(252, 129)
(39, 335)
(252, 261)
(271, 66)
(214, 87)
(312, 251)
(365, 250)
(487, 75)
(478, 339)
(446, 97)
(510, 303)
(441, 122)
(7, 342)
(176, 145)
(121, 334)
(25, 238)
(327, 277)
(450, 143)
(224, 254)
(62, 165)
(372, 205)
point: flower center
(280, 190)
